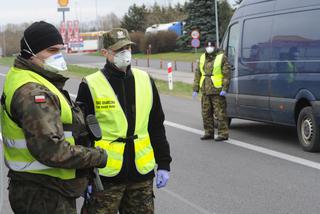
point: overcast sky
(20, 11)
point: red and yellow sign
(63, 3)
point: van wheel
(308, 130)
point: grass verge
(7, 61)
(169, 56)
(179, 88)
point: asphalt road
(260, 170)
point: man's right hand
(194, 94)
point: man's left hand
(162, 178)
(223, 93)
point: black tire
(308, 130)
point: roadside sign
(63, 31)
(195, 43)
(170, 79)
(63, 9)
(70, 30)
(63, 3)
(195, 34)
(76, 30)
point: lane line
(196, 207)
(248, 146)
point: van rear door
(254, 69)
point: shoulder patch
(39, 99)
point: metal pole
(217, 24)
(63, 16)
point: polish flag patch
(39, 99)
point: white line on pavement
(1, 74)
(199, 209)
(260, 149)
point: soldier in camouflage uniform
(44, 133)
(213, 76)
(126, 103)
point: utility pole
(217, 23)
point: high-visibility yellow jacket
(16, 153)
(217, 75)
(114, 125)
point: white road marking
(260, 149)
(177, 196)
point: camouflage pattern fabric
(214, 105)
(29, 198)
(129, 198)
(116, 39)
(44, 130)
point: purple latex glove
(162, 178)
(194, 94)
(223, 93)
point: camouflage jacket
(207, 87)
(45, 137)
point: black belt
(124, 140)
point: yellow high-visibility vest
(16, 154)
(217, 75)
(114, 125)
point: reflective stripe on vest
(114, 124)
(217, 75)
(16, 153)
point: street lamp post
(217, 23)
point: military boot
(219, 138)
(207, 137)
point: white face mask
(209, 49)
(55, 63)
(122, 59)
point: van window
(224, 41)
(233, 43)
(296, 37)
(256, 43)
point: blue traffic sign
(195, 43)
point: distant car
(176, 27)
(274, 48)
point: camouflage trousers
(214, 105)
(127, 198)
(30, 198)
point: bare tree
(108, 22)
(11, 35)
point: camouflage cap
(116, 39)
